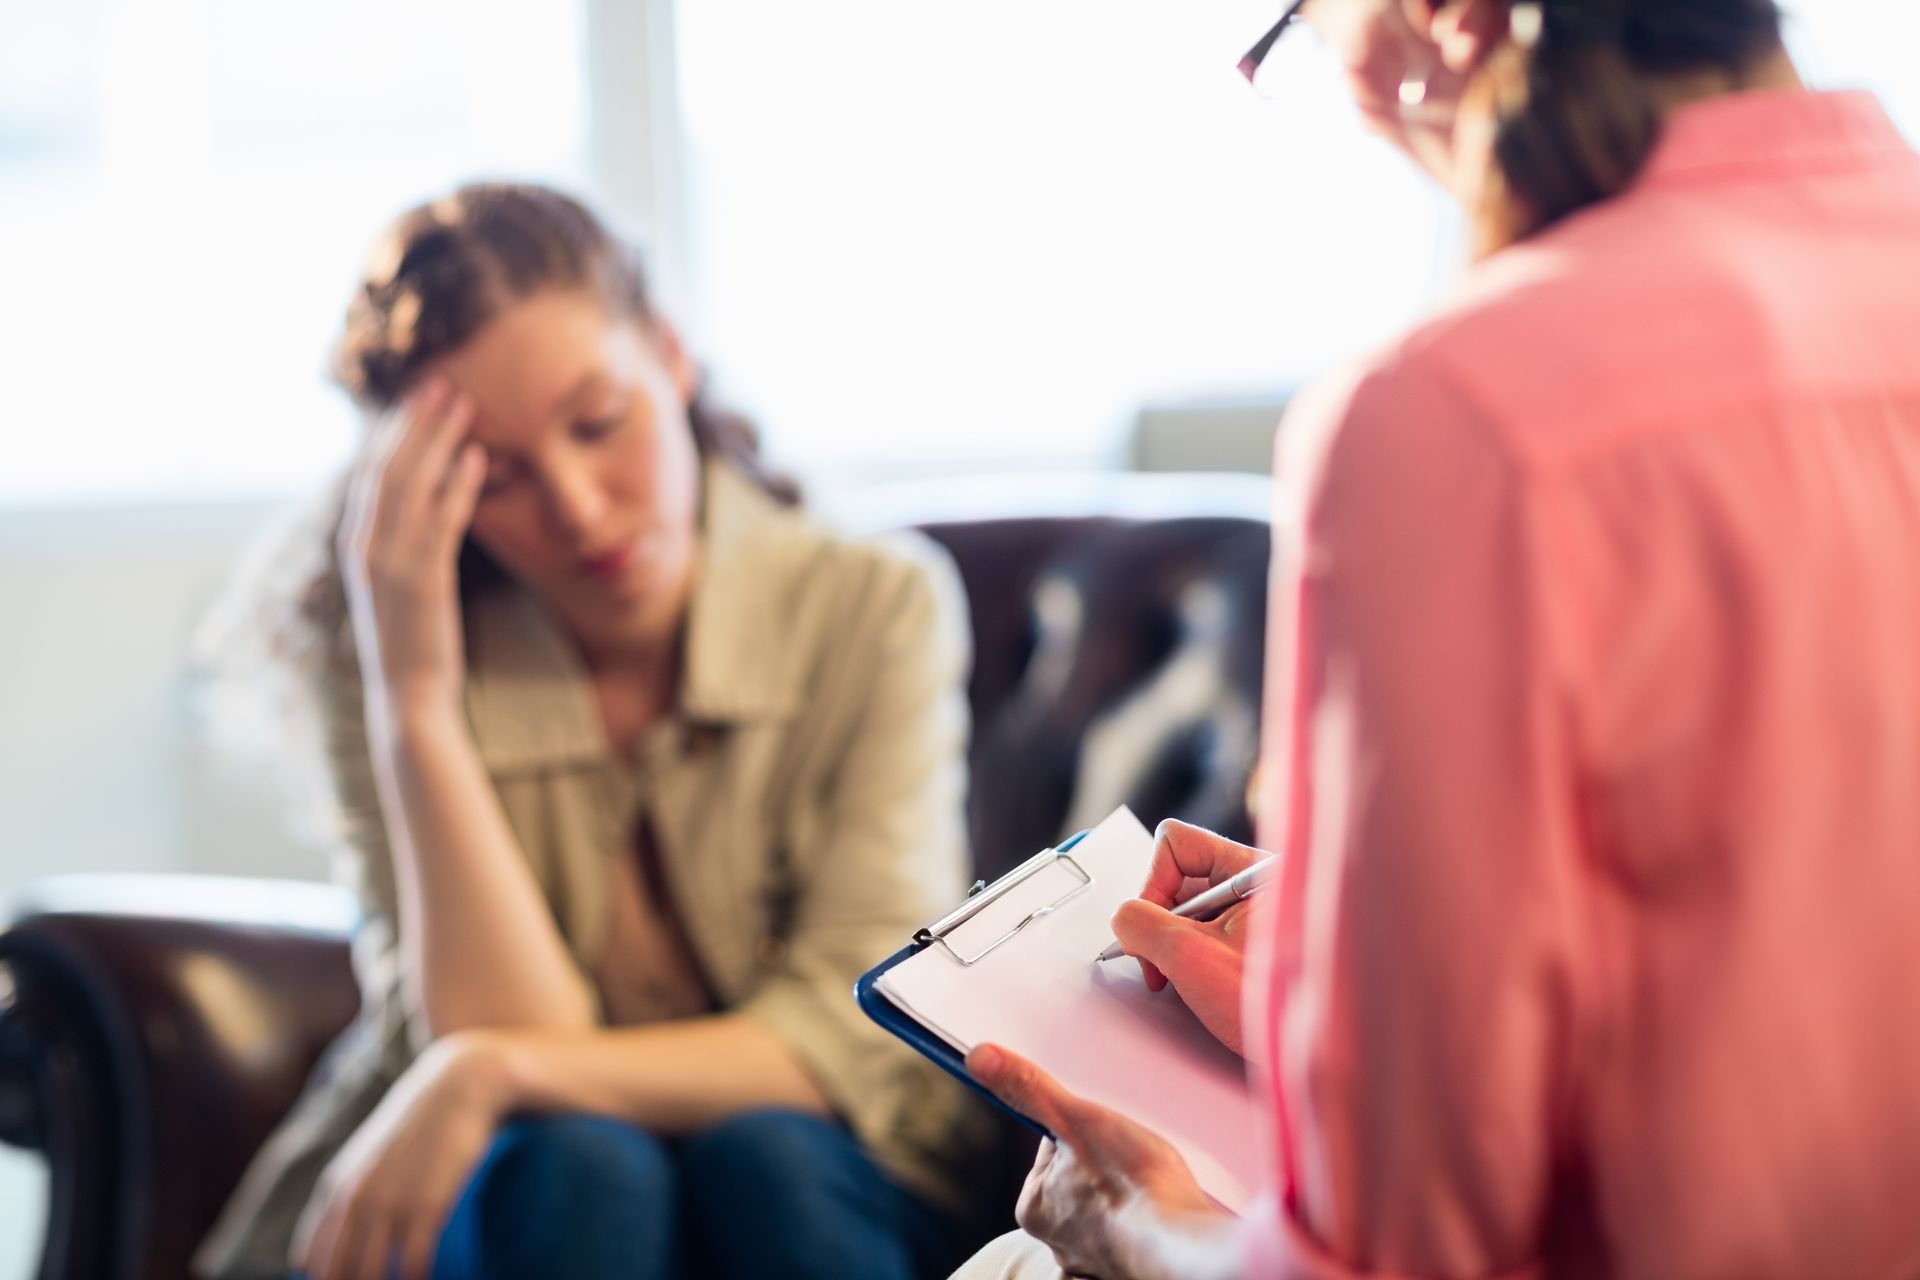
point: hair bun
(445, 268)
(1582, 21)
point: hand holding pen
(1210, 903)
(1204, 959)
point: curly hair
(443, 269)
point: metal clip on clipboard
(985, 895)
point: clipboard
(1014, 965)
(983, 895)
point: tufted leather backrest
(1117, 662)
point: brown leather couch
(153, 1029)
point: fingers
(363, 1243)
(416, 469)
(462, 493)
(374, 1259)
(1026, 1209)
(1162, 940)
(1204, 962)
(1183, 852)
(427, 454)
(331, 1241)
(418, 475)
(1133, 933)
(1024, 1087)
(416, 1252)
(392, 427)
(322, 1255)
(413, 419)
(351, 1237)
(384, 442)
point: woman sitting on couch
(638, 768)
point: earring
(1526, 23)
(1413, 87)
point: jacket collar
(529, 697)
(1768, 130)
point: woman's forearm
(479, 945)
(670, 1077)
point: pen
(1205, 906)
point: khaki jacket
(806, 802)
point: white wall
(100, 765)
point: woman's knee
(818, 1204)
(567, 1156)
(781, 1153)
(553, 1191)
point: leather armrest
(152, 1031)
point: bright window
(1865, 44)
(187, 189)
(985, 234)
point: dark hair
(442, 270)
(1578, 112)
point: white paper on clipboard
(1095, 1028)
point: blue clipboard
(896, 1020)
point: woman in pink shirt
(1593, 746)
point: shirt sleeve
(1415, 1030)
(359, 851)
(361, 858)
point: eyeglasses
(1250, 65)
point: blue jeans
(766, 1194)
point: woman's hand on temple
(1205, 961)
(1112, 1199)
(381, 1204)
(408, 506)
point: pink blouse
(1597, 772)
